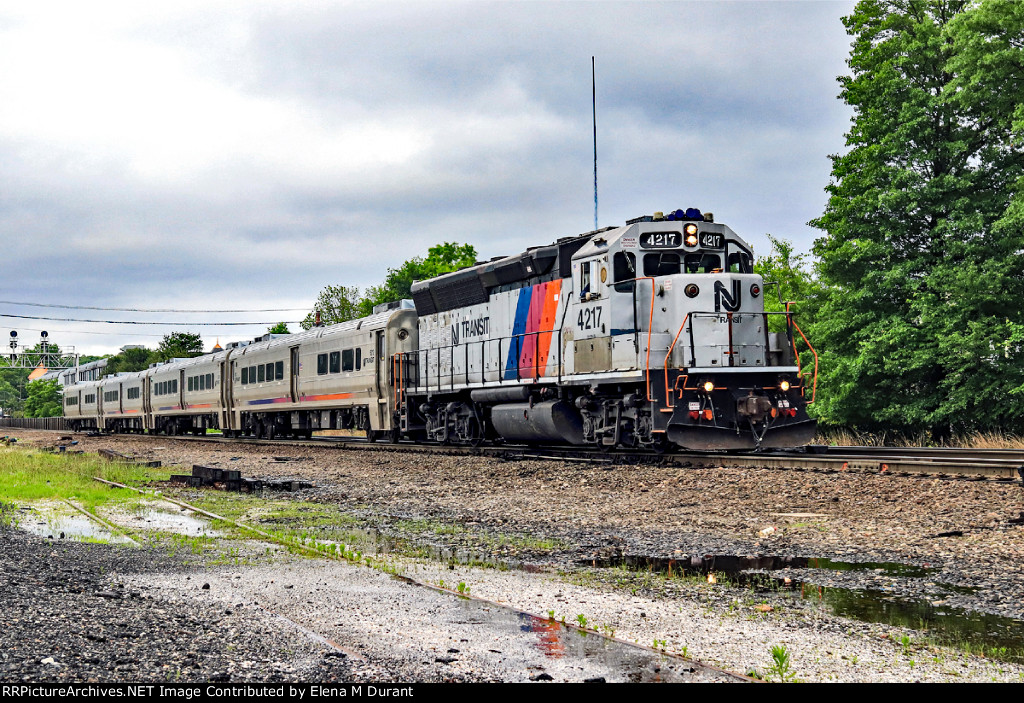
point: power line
(139, 322)
(93, 307)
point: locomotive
(650, 335)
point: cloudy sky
(243, 155)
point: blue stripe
(518, 327)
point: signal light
(708, 414)
(755, 290)
(792, 412)
(694, 414)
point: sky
(222, 155)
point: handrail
(668, 355)
(814, 387)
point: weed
(463, 588)
(582, 621)
(781, 667)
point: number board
(709, 240)
(661, 240)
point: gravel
(594, 512)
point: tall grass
(978, 440)
(33, 475)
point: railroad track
(997, 464)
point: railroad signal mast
(51, 359)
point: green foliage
(279, 328)
(795, 281)
(44, 399)
(781, 669)
(335, 304)
(129, 360)
(342, 303)
(921, 262)
(179, 345)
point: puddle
(158, 520)
(735, 564)
(54, 525)
(944, 623)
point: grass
(32, 475)
(978, 440)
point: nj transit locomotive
(650, 335)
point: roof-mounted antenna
(593, 90)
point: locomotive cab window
(584, 278)
(624, 269)
(703, 263)
(664, 263)
(739, 262)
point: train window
(252, 374)
(209, 380)
(279, 370)
(270, 371)
(624, 269)
(174, 386)
(321, 364)
(739, 262)
(335, 362)
(703, 263)
(584, 278)
(348, 360)
(190, 383)
(359, 359)
(663, 263)
(202, 382)
(261, 373)
(245, 375)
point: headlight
(708, 386)
(691, 240)
(690, 229)
(783, 385)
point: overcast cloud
(247, 154)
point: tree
(441, 259)
(919, 276)
(44, 399)
(335, 304)
(179, 345)
(279, 328)
(343, 303)
(795, 281)
(130, 360)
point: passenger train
(652, 335)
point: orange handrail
(814, 386)
(668, 355)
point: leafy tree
(343, 303)
(129, 360)
(335, 304)
(795, 279)
(919, 318)
(279, 328)
(179, 345)
(44, 399)
(441, 259)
